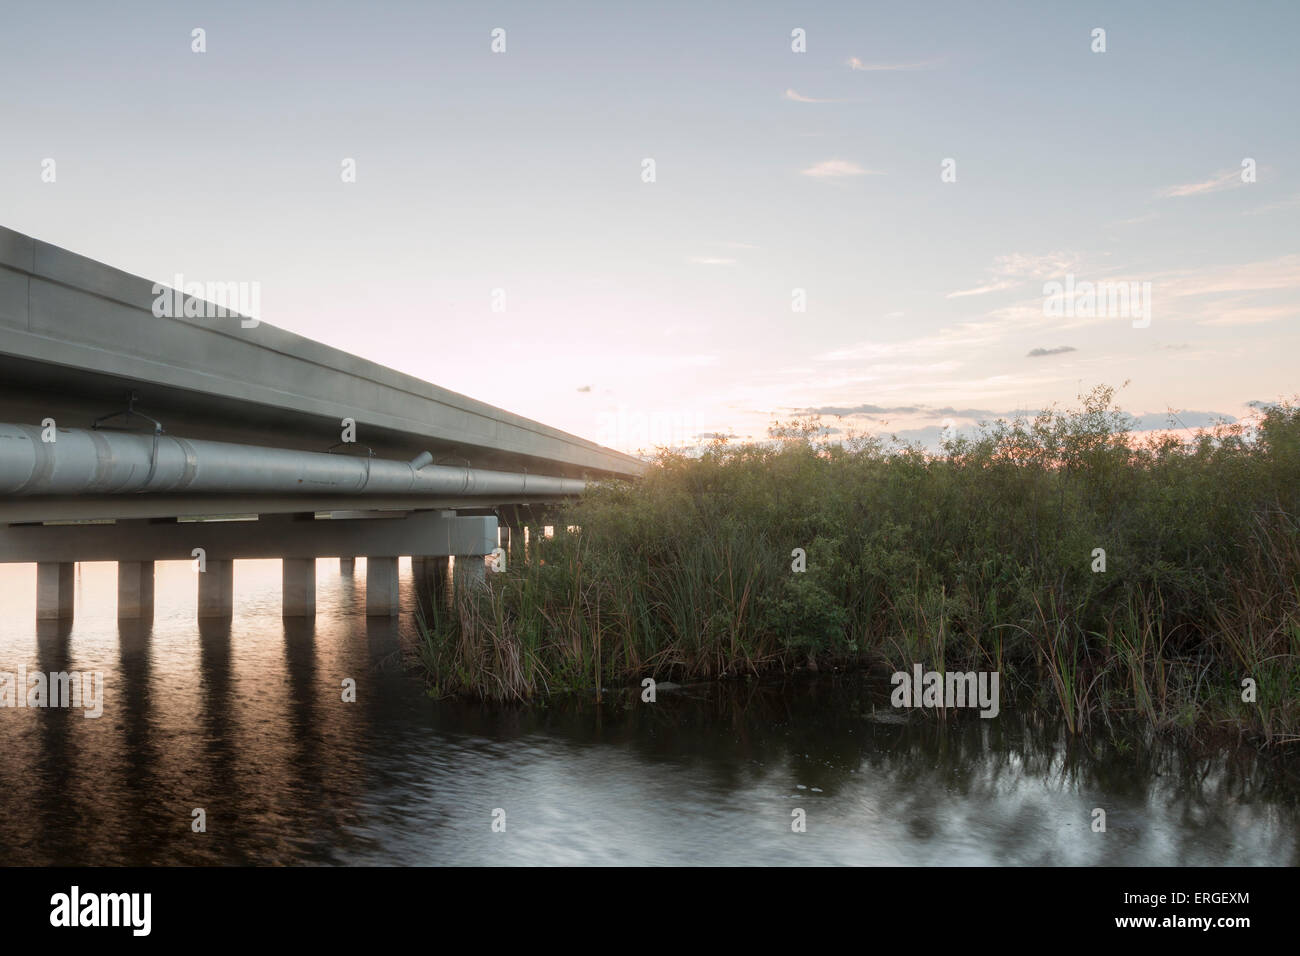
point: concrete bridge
(124, 433)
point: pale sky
(646, 311)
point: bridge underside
(272, 536)
(429, 537)
(135, 507)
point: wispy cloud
(864, 67)
(996, 286)
(1221, 296)
(1290, 202)
(1147, 421)
(1176, 419)
(850, 411)
(797, 97)
(1012, 270)
(1059, 350)
(1280, 273)
(925, 348)
(1253, 315)
(1216, 183)
(837, 168)
(932, 436)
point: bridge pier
(298, 587)
(55, 581)
(503, 542)
(536, 535)
(381, 587)
(135, 580)
(470, 571)
(217, 588)
(430, 575)
(347, 567)
(298, 542)
(511, 534)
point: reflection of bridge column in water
(149, 823)
(218, 771)
(56, 767)
(307, 760)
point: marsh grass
(978, 558)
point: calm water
(245, 719)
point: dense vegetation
(979, 558)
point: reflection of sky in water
(246, 721)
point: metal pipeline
(85, 462)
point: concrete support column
(135, 590)
(217, 588)
(430, 573)
(55, 581)
(381, 587)
(471, 572)
(298, 588)
(503, 542)
(347, 566)
(511, 533)
(437, 573)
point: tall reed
(985, 556)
